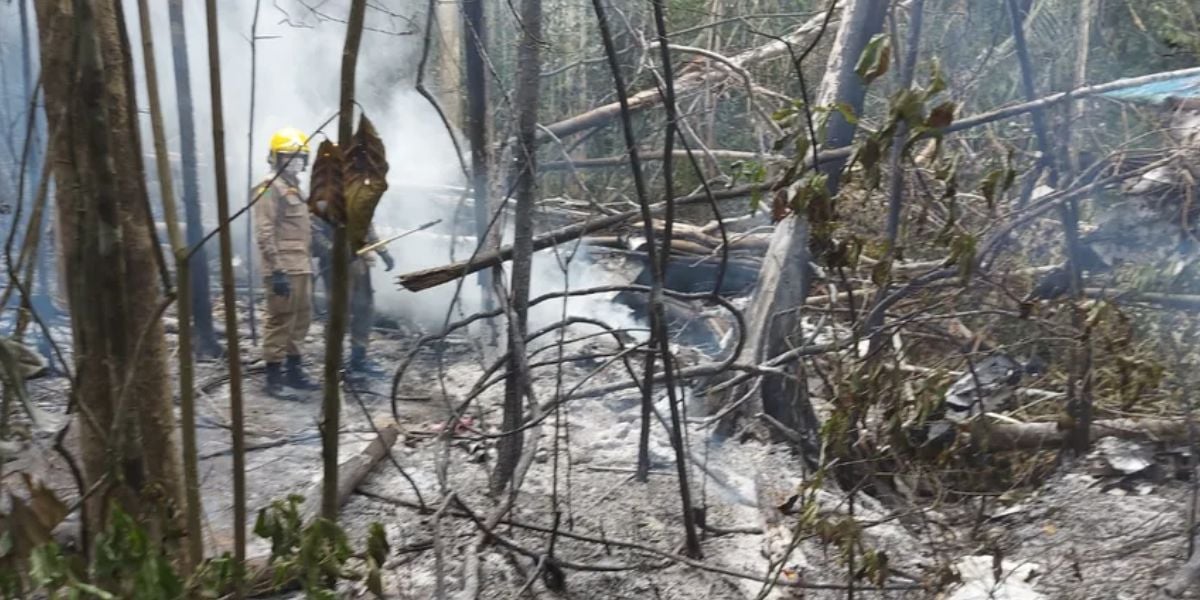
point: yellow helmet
(288, 140)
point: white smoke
(297, 84)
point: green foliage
(751, 172)
(875, 58)
(998, 180)
(128, 564)
(126, 559)
(318, 553)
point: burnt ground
(1070, 538)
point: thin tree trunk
(660, 333)
(895, 190)
(187, 408)
(449, 69)
(336, 330)
(658, 330)
(474, 47)
(527, 98)
(229, 295)
(249, 216)
(1078, 400)
(114, 297)
(201, 298)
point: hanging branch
(336, 330)
(229, 294)
(658, 329)
(187, 401)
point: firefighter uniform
(284, 235)
(283, 231)
(362, 294)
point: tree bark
(475, 44)
(686, 84)
(527, 96)
(126, 404)
(783, 282)
(201, 295)
(336, 329)
(187, 408)
(229, 297)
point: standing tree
(202, 316)
(125, 412)
(783, 282)
(528, 86)
(475, 49)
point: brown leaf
(780, 206)
(365, 181)
(941, 116)
(327, 199)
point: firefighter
(283, 231)
(362, 295)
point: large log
(1038, 436)
(427, 278)
(783, 282)
(686, 83)
(351, 473)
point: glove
(280, 285)
(389, 263)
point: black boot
(274, 379)
(360, 365)
(295, 377)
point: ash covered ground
(1082, 534)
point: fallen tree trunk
(351, 473)
(687, 83)
(613, 162)
(1179, 301)
(784, 281)
(427, 278)
(1037, 436)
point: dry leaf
(327, 199)
(365, 181)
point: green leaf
(937, 83)
(847, 112)
(374, 578)
(802, 147)
(880, 272)
(990, 187)
(377, 544)
(870, 152)
(875, 58)
(93, 590)
(907, 106)
(962, 252)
